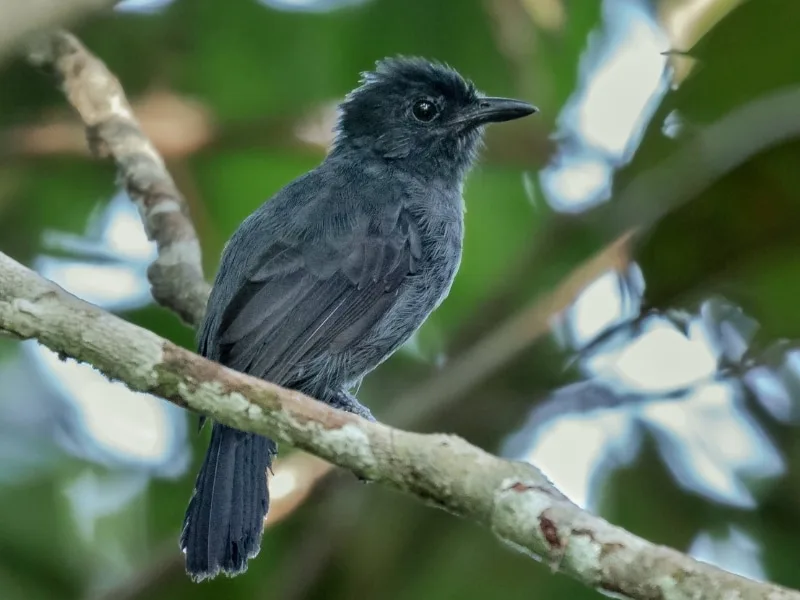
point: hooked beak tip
(498, 110)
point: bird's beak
(497, 110)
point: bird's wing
(316, 294)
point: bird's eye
(424, 110)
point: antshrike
(323, 282)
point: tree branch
(176, 276)
(513, 499)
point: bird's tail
(225, 518)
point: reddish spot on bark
(550, 533)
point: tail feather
(225, 519)
(238, 504)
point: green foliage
(253, 67)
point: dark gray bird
(326, 280)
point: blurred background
(626, 314)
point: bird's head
(422, 114)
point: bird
(328, 278)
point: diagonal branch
(176, 276)
(513, 499)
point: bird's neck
(447, 171)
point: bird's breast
(419, 294)
(442, 255)
(441, 240)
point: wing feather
(307, 296)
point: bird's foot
(344, 400)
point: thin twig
(176, 276)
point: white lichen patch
(352, 444)
(210, 397)
(254, 412)
(27, 307)
(582, 553)
(522, 498)
(119, 107)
